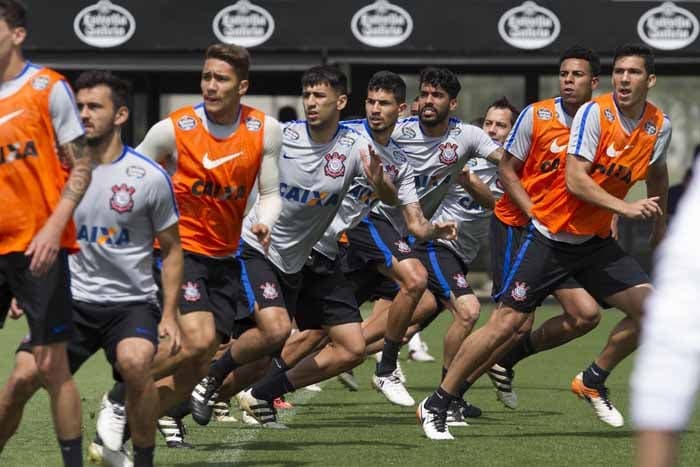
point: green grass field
(338, 427)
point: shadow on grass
(244, 463)
(298, 445)
(560, 434)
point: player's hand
(44, 249)
(445, 230)
(614, 227)
(647, 208)
(263, 233)
(463, 177)
(372, 164)
(168, 327)
(16, 311)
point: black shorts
(447, 272)
(46, 300)
(326, 298)
(375, 241)
(103, 325)
(542, 265)
(209, 284)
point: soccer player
(44, 173)
(617, 139)
(534, 155)
(222, 149)
(320, 160)
(129, 203)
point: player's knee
(22, 385)
(133, 367)
(468, 315)
(415, 281)
(352, 354)
(278, 332)
(201, 345)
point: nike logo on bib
(611, 152)
(212, 164)
(555, 148)
(6, 118)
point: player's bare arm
(46, 243)
(476, 188)
(496, 156)
(374, 171)
(423, 229)
(580, 184)
(270, 203)
(159, 142)
(657, 187)
(173, 266)
(508, 171)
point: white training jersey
(436, 161)
(314, 178)
(126, 204)
(361, 196)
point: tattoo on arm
(76, 157)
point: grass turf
(338, 427)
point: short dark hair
(325, 74)
(14, 13)
(235, 55)
(388, 81)
(504, 103)
(440, 77)
(583, 53)
(637, 50)
(120, 88)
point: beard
(436, 120)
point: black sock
(439, 401)
(222, 367)
(595, 376)
(390, 355)
(522, 349)
(143, 457)
(463, 388)
(179, 411)
(444, 372)
(72, 451)
(272, 388)
(117, 393)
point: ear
(453, 104)
(243, 87)
(651, 81)
(595, 81)
(341, 102)
(18, 36)
(121, 115)
(402, 108)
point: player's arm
(45, 245)
(423, 229)
(476, 188)
(171, 274)
(159, 142)
(657, 187)
(509, 173)
(495, 156)
(269, 204)
(374, 171)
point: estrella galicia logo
(529, 26)
(381, 24)
(668, 27)
(244, 24)
(104, 24)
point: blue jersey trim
(378, 241)
(511, 136)
(435, 265)
(247, 287)
(517, 262)
(579, 137)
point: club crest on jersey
(253, 124)
(460, 280)
(544, 114)
(190, 291)
(186, 123)
(269, 291)
(609, 115)
(403, 247)
(335, 165)
(392, 171)
(519, 292)
(40, 82)
(122, 199)
(650, 128)
(448, 153)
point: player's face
(630, 81)
(97, 112)
(576, 83)
(322, 104)
(382, 109)
(9, 40)
(497, 124)
(434, 105)
(221, 88)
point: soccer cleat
(313, 388)
(598, 398)
(281, 404)
(174, 431)
(202, 400)
(262, 410)
(222, 413)
(111, 422)
(248, 419)
(399, 372)
(469, 410)
(502, 380)
(419, 352)
(393, 389)
(434, 423)
(455, 417)
(98, 454)
(347, 379)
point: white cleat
(347, 379)
(222, 413)
(455, 416)
(399, 372)
(111, 422)
(502, 380)
(263, 411)
(313, 388)
(598, 398)
(418, 350)
(248, 419)
(98, 454)
(434, 424)
(393, 389)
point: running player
(41, 140)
